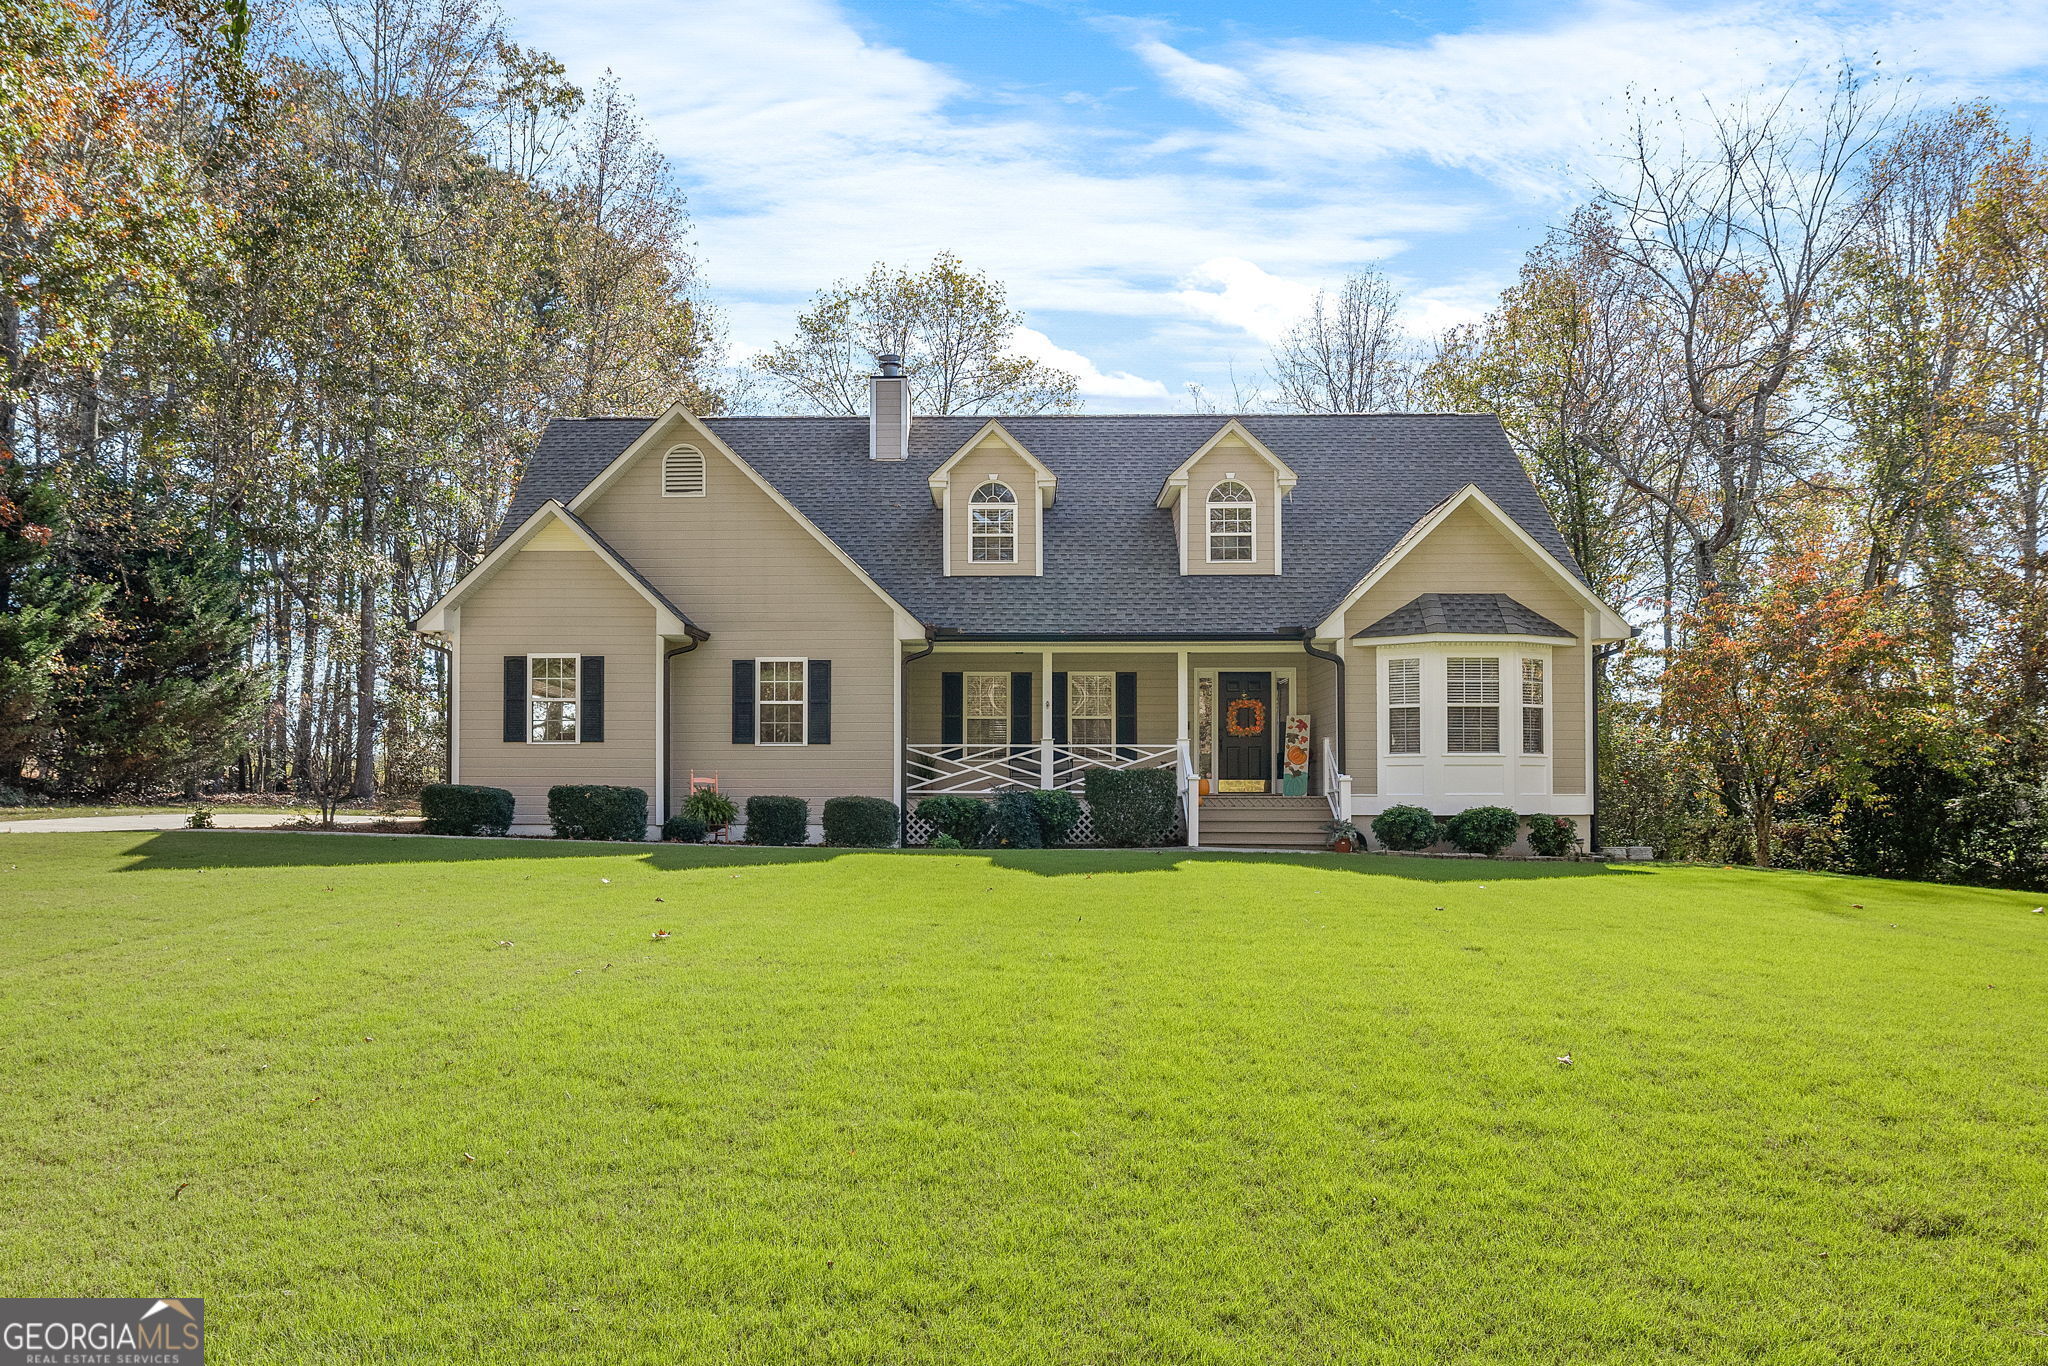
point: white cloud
(1238, 293)
(1094, 382)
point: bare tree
(1349, 354)
(1733, 243)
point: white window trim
(1523, 708)
(1213, 753)
(1420, 708)
(1070, 718)
(532, 698)
(1210, 505)
(803, 703)
(967, 718)
(1499, 661)
(1016, 511)
(703, 476)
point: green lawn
(56, 811)
(1046, 1108)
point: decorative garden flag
(1294, 756)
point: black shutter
(1059, 708)
(515, 699)
(743, 701)
(1127, 712)
(952, 708)
(1020, 709)
(591, 701)
(818, 701)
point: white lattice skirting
(917, 832)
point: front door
(1244, 743)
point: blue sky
(1163, 189)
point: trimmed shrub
(862, 822)
(1407, 828)
(589, 811)
(710, 806)
(683, 828)
(1015, 823)
(1133, 807)
(1552, 836)
(1483, 829)
(459, 809)
(966, 819)
(1058, 813)
(778, 820)
(942, 840)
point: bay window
(1532, 706)
(1404, 706)
(1472, 705)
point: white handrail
(1336, 784)
(1190, 793)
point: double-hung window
(1532, 706)
(1404, 706)
(1091, 709)
(1472, 705)
(992, 525)
(988, 709)
(552, 694)
(779, 702)
(1231, 510)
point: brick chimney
(889, 410)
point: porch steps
(1250, 820)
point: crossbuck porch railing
(1336, 784)
(940, 770)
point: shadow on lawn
(184, 850)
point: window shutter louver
(743, 701)
(682, 473)
(952, 708)
(590, 702)
(515, 699)
(1127, 710)
(1020, 709)
(1059, 708)
(818, 701)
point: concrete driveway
(164, 820)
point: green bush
(1058, 813)
(778, 820)
(588, 811)
(1133, 807)
(966, 819)
(459, 809)
(942, 840)
(683, 828)
(710, 806)
(862, 822)
(1406, 828)
(1552, 836)
(1014, 824)
(1483, 829)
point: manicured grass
(59, 810)
(1047, 1108)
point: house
(900, 606)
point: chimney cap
(891, 363)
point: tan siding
(992, 459)
(1467, 554)
(1231, 458)
(556, 602)
(1157, 695)
(747, 572)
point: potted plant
(1342, 837)
(713, 808)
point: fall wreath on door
(1245, 716)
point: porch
(1224, 718)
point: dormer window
(682, 473)
(1231, 510)
(992, 525)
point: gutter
(952, 633)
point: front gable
(992, 457)
(1232, 458)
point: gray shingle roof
(1111, 567)
(1463, 614)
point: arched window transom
(682, 473)
(992, 525)
(1231, 514)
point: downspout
(447, 706)
(903, 728)
(1308, 644)
(668, 735)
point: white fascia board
(1456, 641)
(942, 477)
(1611, 625)
(1176, 483)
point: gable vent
(682, 473)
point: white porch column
(1182, 681)
(1045, 760)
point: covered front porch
(1242, 718)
